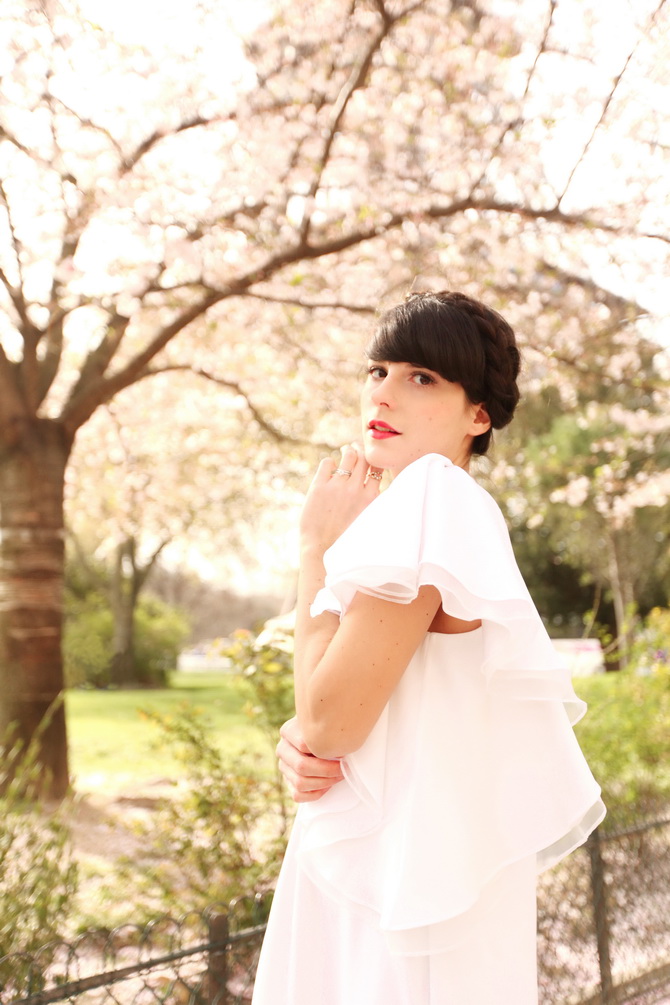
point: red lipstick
(381, 430)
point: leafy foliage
(160, 631)
(38, 876)
(266, 663)
(225, 832)
(223, 835)
(626, 733)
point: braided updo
(464, 341)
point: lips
(381, 430)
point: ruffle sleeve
(436, 525)
(473, 765)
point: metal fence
(603, 938)
(604, 921)
(199, 959)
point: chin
(375, 457)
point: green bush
(87, 641)
(38, 877)
(225, 833)
(626, 733)
(222, 836)
(160, 631)
(265, 663)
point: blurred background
(203, 208)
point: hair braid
(503, 361)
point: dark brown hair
(464, 341)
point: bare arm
(345, 671)
(345, 691)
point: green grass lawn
(113, 746)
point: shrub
(225, 833)
(265, 663)
(160, 630)
(38, 876)
(87, 641)
(222, 836)
(626, 733)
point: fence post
(601, 917)
(216, 991)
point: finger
(349, 460)
(324, 472)
(361, 465)
(300, 786)
(292, 746)
(305, 765)
(290, 731)
(301, 783)
(373, 479)
(306, 797)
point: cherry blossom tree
(594, 454)
(153, 219)
(171, 465)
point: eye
(422, 379)
(376, 372)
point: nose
(382, 392)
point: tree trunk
(623, 595)
(128, 579)
(123, 595)
(32, 556)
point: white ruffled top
(473, 764)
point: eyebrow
(404, 362)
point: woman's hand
(307, 777)
(338, 493)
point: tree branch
(128, 163)
(608, 101)
(89, 394)
(16, 296)
(87, 123)
(19, 302)
(232, 385)
(141, 571)
(92, 370)
(577, 364)
(6, 135)
(53, 352)
(514, 123)
(355, 81)
(312, 305)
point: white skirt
(412, 882)
(318, 951)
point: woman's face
(408, 411)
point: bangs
(431, 334)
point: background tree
(165, 471)
(594, 452)
(154, 221)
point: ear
(481, 421)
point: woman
(431, 745)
